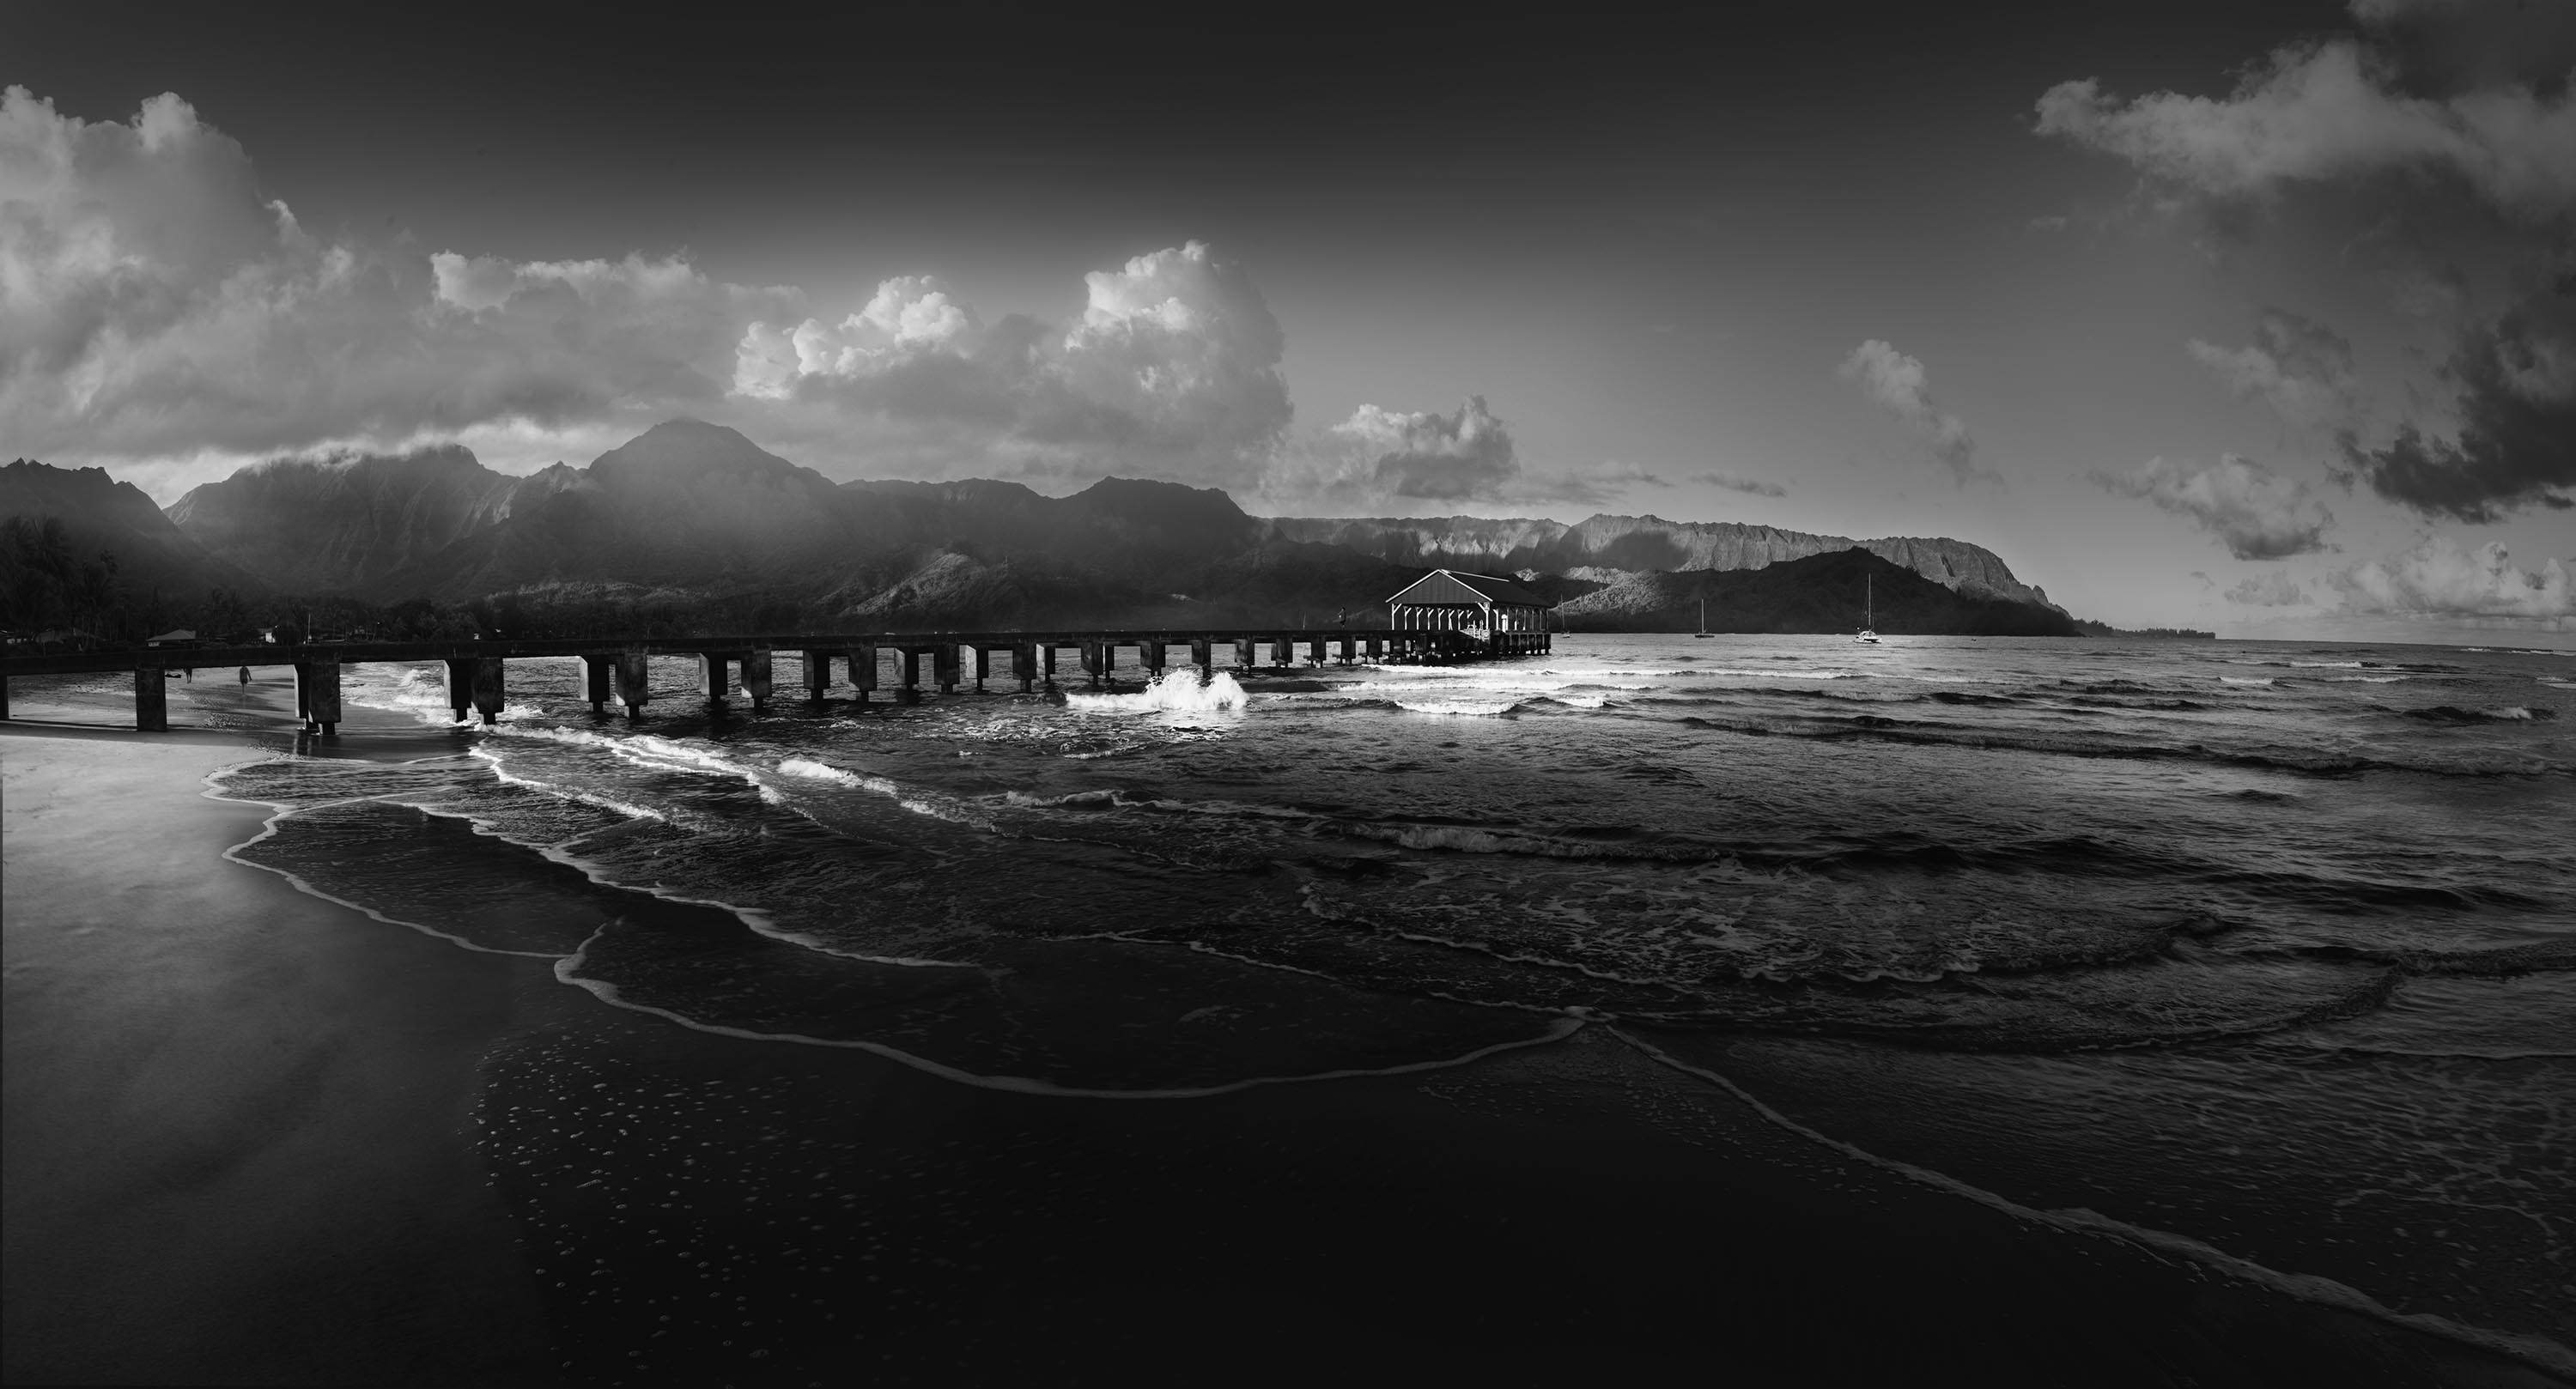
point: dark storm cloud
(2515, 444)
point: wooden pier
(891, 663)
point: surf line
(268, 829)
(567, 967)
(2539, 1352)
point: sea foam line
(268, 828)
(608, 993)
(2538, 1351)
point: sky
(2254, 317)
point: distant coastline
(2105, 629)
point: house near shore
(1446, 598)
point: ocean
(2258, 954)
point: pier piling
(863, 669)
(151, 700)
(487, 689)
(614, 668)
(598, 672)
(632, 678)
(317, 692)
(460, 686)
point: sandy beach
(234, 1112)
(257, 1137)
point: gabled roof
(1449, 586)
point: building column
(1024, 666)
(943, 666)
(816, 667)
(909, 692)
(756, 682)
(1150, 655)
(1046, 664)
(1203, 655)
(983, 666)
(714, 681)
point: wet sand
(249, 1134)
(233, 1143)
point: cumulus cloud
(2255, 512)
(2274, 590)
(1172, 367)
(2439, 579)
(1411, 461)
(1749, 486)
(156, 306)
(2302, 369)
(2514, 444)
(1897, 382)
(2330, 110)
(153, 303)
(1465, 454)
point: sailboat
(1868, 617)
(1703, 621)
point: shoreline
(1520, 1213)
(234, 1142)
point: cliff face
(101, 514)
(1644, 544)
(315, 525)
(1817, 593)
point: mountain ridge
(692, 512)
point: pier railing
(614, 669)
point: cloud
(2206, 582)
(1749, 486)
(1466, 454)
(2439, 579)
(1898, 382)
(154, 304)
(2302, 369)
(2257, 513)
(160, 311)
(1174, 367)
(2274, 590)
(2329, 110)
(2514, 445)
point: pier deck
(614, 668)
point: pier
(904, 667)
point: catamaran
(1868, 617)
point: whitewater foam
(1173, 692)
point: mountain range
(689, 511)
